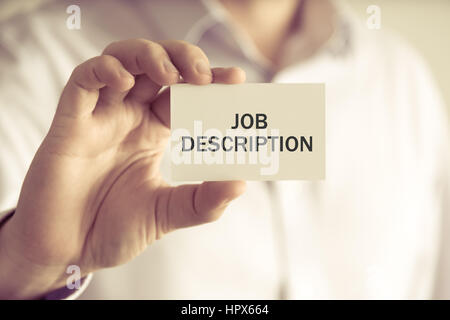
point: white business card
(247, 132)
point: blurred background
(425, 24)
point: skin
(93, 195)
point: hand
(94, 195)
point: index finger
(161, 106)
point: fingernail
(169, 67)
(202, 67)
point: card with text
(248, 131)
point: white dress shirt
(372, 229)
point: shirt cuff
(4, 215)
(69, 294)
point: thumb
(194, 204)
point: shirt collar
(176, 19)
(191, 20)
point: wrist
(20, 279)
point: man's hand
(93, 195)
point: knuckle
(149, 49)
(106, 61)
(110, 47)
(143, 40)
(82, 70)
(105, 66)
(190, 51)
(80, 75)
(78, 69)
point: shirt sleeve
(442, 281)
(432, 123)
